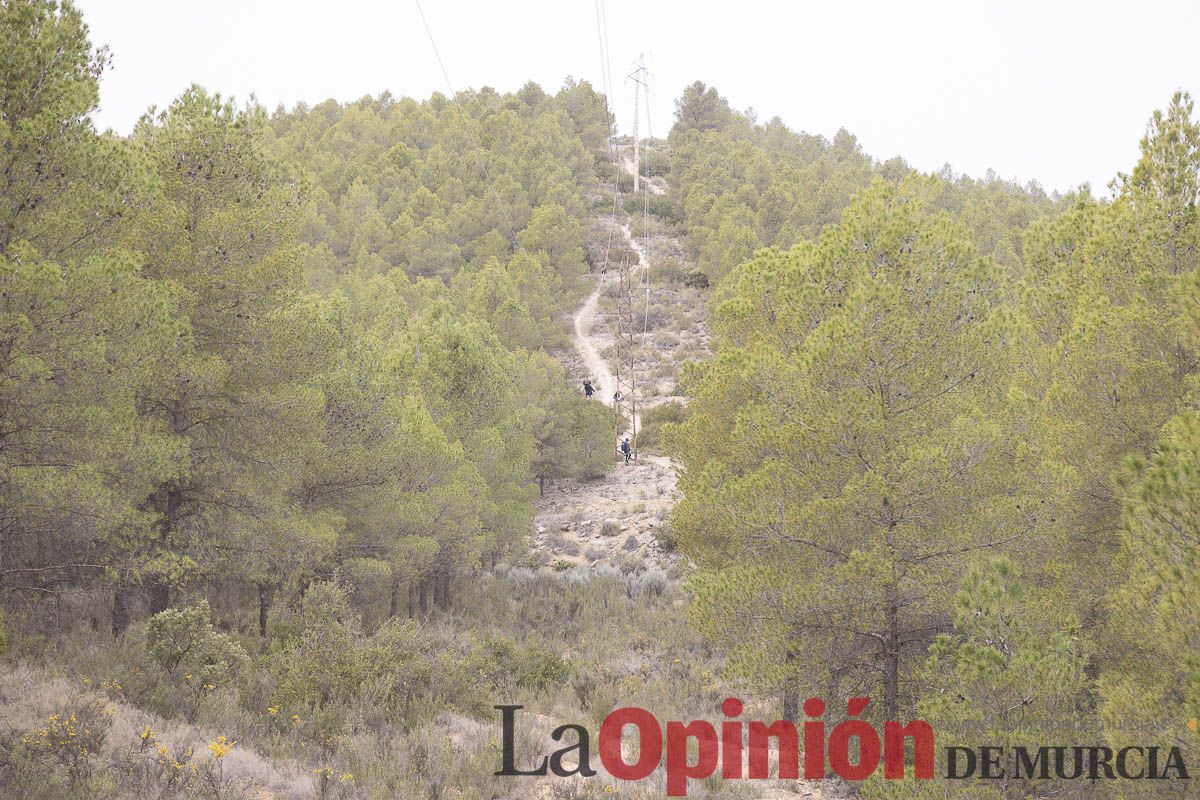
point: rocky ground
(618, 520)
(615, 520)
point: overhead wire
(606, 81)
(646, 207)
(615, 171)
(475, 142)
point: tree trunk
(169, 504)
(791, 697)
(891, 662)
(160, 596)
(394, 607)
(120, 609)
(264, 608)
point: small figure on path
(627, 450)
(588, 390)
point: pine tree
(82, 332)
(848, 448)
(63, 189)
(221, 233)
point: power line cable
(487, 177)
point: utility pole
(638, 76)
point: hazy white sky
(1054, 91)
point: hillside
(300, 486)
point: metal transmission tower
(634, 277)
(639, 77)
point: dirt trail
(615, 518)
(588, 346)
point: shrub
(652, 583)
(185, 645)
(608, 571)
(531, 665)
(631, 564)
(653, 420)
(330, 675)
(184, 639)
(696, 280)
(653, 318)
(668, 270)
(664, 536)
(664, 208)
(655, 163)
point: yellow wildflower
(221, 746)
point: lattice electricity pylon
(627, 351)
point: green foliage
(998, 515)
(654, 420)
(862, 377)
(529, 665)
(1155, 680)
(419, 187)
(244, 354)
(184, 641)
(63, 189)
(989, 679)
(84, 331)
(328, 670)
(700, 108)
(570, 432)
(220, 232)
(490, 206)
(739, 186)
(183, 412)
